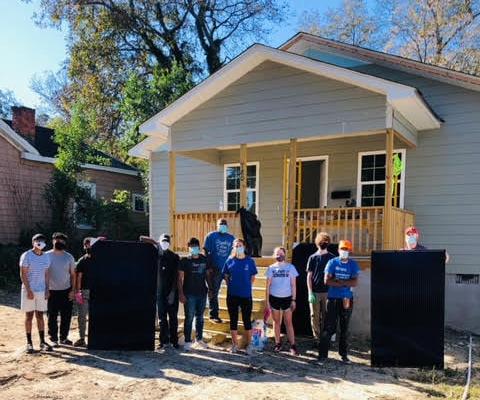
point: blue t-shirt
(240, 272)
(341, 271)
(218, 246)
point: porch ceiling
(401, 98)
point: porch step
(258, 302)
(264, 261)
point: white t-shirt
(281, 275)
(36, 264)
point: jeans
(336, 313)
(213, 294)
(82, 313)
(59, 303)
(194, 307)
(168, 319)
(318, 313)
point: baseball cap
(164, 238)
(345, 244)
(193, 242)
(39, 236)
(222, 221)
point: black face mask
(60, 246)
(323, 245)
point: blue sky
(27, 50)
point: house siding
(275, 102)
(22, 183)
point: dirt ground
(70, 373)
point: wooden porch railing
(187, 225)
(364, 226)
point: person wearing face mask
(167, 290)
(62, 289)
(412, 236)
(218, 246)
(194, 274)
(82, 290)
(317, 290)
(341, 274)
(239, 272)
(281, 297)
(34, 270)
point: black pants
(168, 320)
(245, 304)
(336, 314)
(58, 303)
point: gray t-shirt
(37, 265)
(61, 265)
(281, 276)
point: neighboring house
(340, 111)
(27, 156)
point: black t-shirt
(83, 266)
(195, 278)
(316, 265)
(167, 271)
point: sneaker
(346, 360)
(30, 349)
(293, 350)
(250, 350)
(66, 342)
(322, 360)
(80, 343)
(277, 348)
(217, 320)
(45, 347)
(201, 344)
(233, 349)
(187, 346)
(54, 342)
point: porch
(367, 227)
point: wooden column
(243, 175)
(387, 228)
(172, 195)
(292, 182)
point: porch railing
(187, 225)
(363, 226)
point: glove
(312, 298)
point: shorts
(38, 303)
(280, 303)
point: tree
(439, 32)
(111, 39)
(7, 101)
(351, 22)
(53, 89)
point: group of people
(52, 282)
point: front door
(309, 179)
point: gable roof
(431, 71)
(44, 148)
(406, 99)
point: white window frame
(359, 174)
(144, 199)
(92, 186)
(257, 184)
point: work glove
(312, 298)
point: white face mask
(39, 245)
(343, 254)
(164, 245)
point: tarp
(123, 279)
(407, 308)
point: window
(139, 203)
(83, 218)
(231, 190)
(371, 179)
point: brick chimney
(23, 122)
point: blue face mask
(240, 251)
(412, 241)
(195, 251)
(223, 228)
